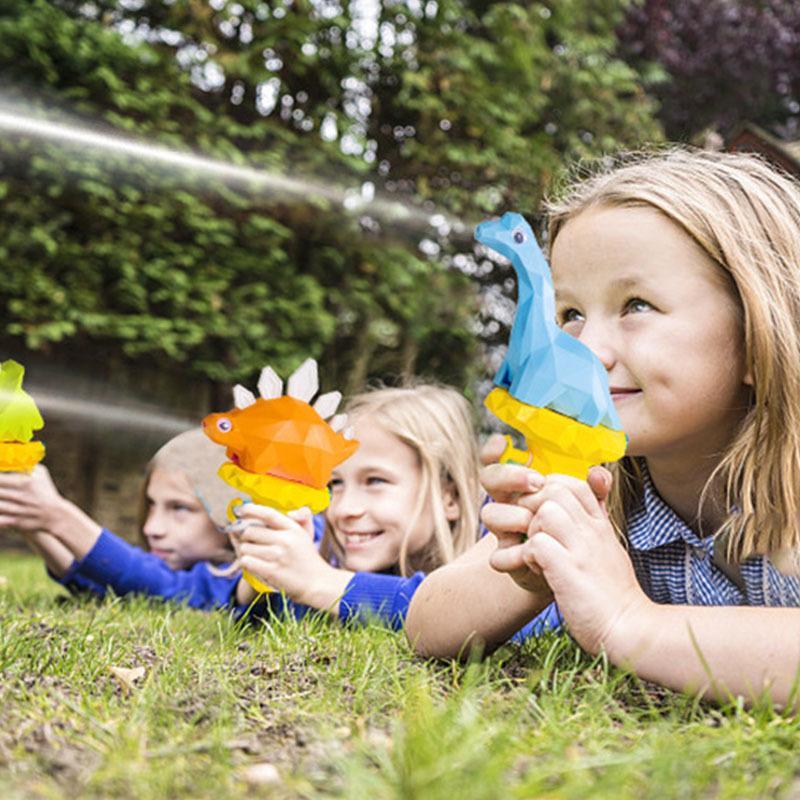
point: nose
(599, 338)
(155, 524)
(346, 503)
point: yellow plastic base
(556, 442)
(20, 456)
(260, 587)
(274, 492)
(277, 493)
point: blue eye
(519, 237)
(637, 305)
(570, 315)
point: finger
(14, 508)
(304, 517)
(547, 552)
(270, 516)
(556, 521)
(503, 482)
(492, 449)
(300, 515)
(502, 518)
(600, 481)
(258, 534)
(508, 559)
(13, 480)
(571, 492)
(267, 553)
(15, 493)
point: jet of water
(362, 200)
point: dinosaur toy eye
(224, 424)
(519, 237)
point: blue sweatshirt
(127, 569)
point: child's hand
(515, 488)
(574, 546)
(29, 502)
(280, 551)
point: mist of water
(362, 200)
(115, 416)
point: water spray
(14, 120)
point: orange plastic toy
(282, 450)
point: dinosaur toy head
(508, 235)
(283, 435)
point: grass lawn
(309, 709)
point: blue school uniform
(675, 566)
(124, 568)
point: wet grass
(308, 709)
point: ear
(747, 380)
(452, 510)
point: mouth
(356, 541)
(621, 393)
(159, 553)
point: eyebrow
(618, 285)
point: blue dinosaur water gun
(550, 387)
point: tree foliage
(724, 62)
(458, 107)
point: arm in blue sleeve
(76, 583)
(127, 569)
(549, 619)
(374, 596)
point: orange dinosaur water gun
(19, 418)
(281, 449)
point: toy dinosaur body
(19, 418)
(550, 387)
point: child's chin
(361, 562)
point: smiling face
(658, 313)
(177, 528)
(373, 497)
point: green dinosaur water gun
(19, 418)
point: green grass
(343, 713)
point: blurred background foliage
(461, 108)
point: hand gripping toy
(281, 449)
(550, 387)
(19, 418)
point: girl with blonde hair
(404, 504)
(681, 271)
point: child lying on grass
(681, 274)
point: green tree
(464, 107)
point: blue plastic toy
(551, 387)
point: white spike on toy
(303, 383)
(327, 404)
(338, 422)
(270, 385)
(349, 433)
(242, 397)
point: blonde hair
(436, 422)
(745, 215)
